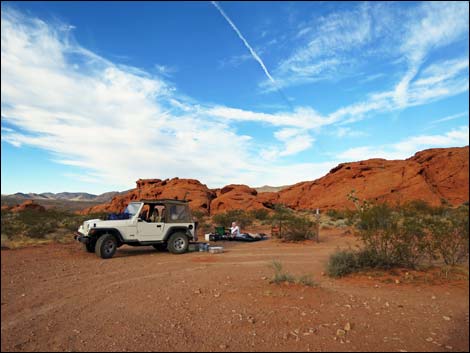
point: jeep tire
(178, 243)
(160, 247)
(90, 246)
(106, 246)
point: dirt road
(60, 298)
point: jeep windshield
(132, 209)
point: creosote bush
(36, 224)
(292, 226)
(242, 218)
(404, 236)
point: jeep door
(149, 228)
(150, 231)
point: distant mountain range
(267, 188)
(64, 196)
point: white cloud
(348, 132)
(165, 70)
(441, 23)
(294, 141)
(119, 123)
(116, 122)
(407, 147)
(450, 117)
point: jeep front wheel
(106, 246)
(178, 243)
(90, 246)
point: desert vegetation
(294, 226)
(31, 226)
(407, 235)
(280, 276)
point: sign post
(317, 215)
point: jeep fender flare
(175, 229)
(98, 232)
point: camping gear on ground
(220, 231)
(241, 237)
(216, 249)
(115, 216)
(201, 247)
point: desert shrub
(279, 275)
(451, 236)
(421, 208)
(292, 226)
(307, 280)
(199, 215)
(260, 214)
(40, 224)
(298, 228)
(367, 258)
(406, 235)
(345, 214)
(225, 219)
(342, 263)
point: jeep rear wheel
(160, 247)
(106, 246)
(178, 243)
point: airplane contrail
(253, 53)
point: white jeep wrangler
(163, 224)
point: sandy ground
(60, 298)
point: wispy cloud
(245, 42)
(294, 140)
(110, 120)
(441, 24)
(450, 117)
(164, 70)
(407, 147)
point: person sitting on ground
(234, 230)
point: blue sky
(98, 94)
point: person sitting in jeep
(144, 214)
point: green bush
(406, 235)
(279, 275)
(282, 277)
(261, 214)
(293, 227)
(451, 236)
(36, 224)
(225, 219)
(342, 263)
(298, 228)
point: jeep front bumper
(82, 238)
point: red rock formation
(233, 197)
(27, 205)
(198, 195)
(434, 175)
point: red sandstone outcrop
(235, 197)
(434, 175)
(27, 205)
(198, 195)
